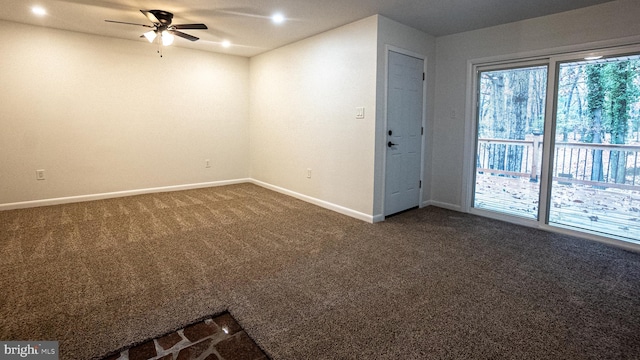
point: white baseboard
(442, 205)
(324, 204)
(116, 194)
(80, 198)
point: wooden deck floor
(607, 211)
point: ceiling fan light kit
(150, 35)
(162, 28)
(167, 38)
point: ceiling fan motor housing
(164, 17)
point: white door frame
(388, 49)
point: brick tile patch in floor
(217, 338)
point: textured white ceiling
(247, 24)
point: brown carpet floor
(307, 283)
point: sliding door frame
(556, 62)
(552, 59)
(477, 70)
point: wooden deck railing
(493, 157)
(573, 162)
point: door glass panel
(509, 138)
(596, 162)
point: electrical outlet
(308, 173)
(40, 175)
(207, 163)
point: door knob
(390, 144)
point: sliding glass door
(596, 164)
(563, 148)
(509, 138)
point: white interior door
(404, 133)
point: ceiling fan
(162, 27)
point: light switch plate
(360, 113)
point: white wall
(303, 106)
(97, 114)
(303, 100)
(399, 37)
(613, 20)
(103, 115)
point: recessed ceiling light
(226, 43)
(38, 10)
(277, 18)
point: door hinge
(423, 76)
(420, 184)
(422, 131)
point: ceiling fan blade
(183, 35)
(150, 16)
(128, 23)
(190, 27)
